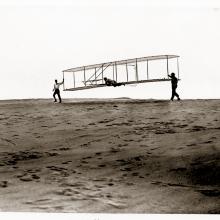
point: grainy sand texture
(110, 156)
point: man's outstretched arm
(61, 82)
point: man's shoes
(55, 100)
(178, 99)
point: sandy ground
(110, 156)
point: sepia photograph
(110, 107)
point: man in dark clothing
(57, 90)
(110, 82)
(174, 82)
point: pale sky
(39, 39)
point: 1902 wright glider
(130, 71)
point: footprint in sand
(29, 175)
(54, 168)
(210, 192)
(156, 182)
(207, 142)
(67, 162)
(51, 154)
(109, 196)
(85, 145)
(110, 184)
(98, 153)
(191, 145)
(168, 184)
(182, 126)
(196, 128)
(129, 184)
(126, 169)
(34, 176)
(26, 177)
(114, 150)
(34, 170)
(61, 171)
(15, 135)
(3, 184)
(179, 169)
(65, 192)
(36, 202)
(99, 186)
(104, 121)
(121, 160)
(99, 179)
(63, 148)
(14, 158)
(128, 140)
(138, 158)
(84, 158)
(102, 165)
(92, 124)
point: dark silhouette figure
(174, 82)
(57, 91)
(110, 82)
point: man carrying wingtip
(56, 90)
(174, 82)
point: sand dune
(112, 156)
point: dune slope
(110, 156)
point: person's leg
(58, 93)
(108, 84)
(119, 84)
(114, 83)
(173, 94)
(177, 95)
(54, 96)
